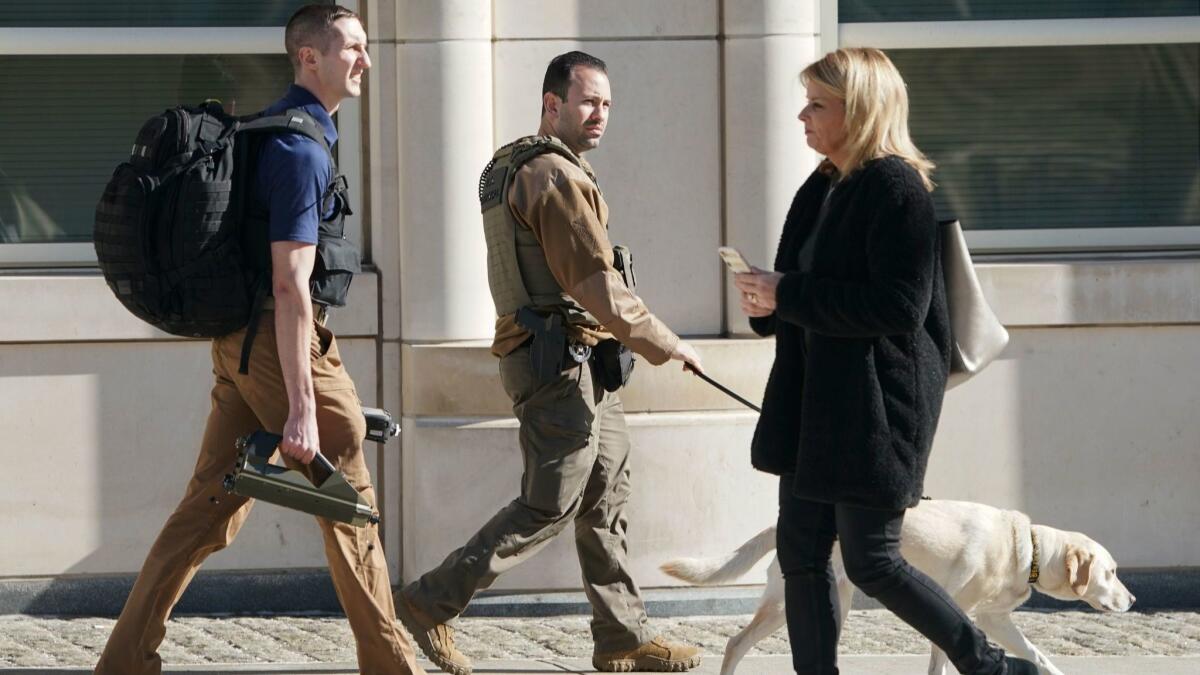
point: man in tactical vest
(565, 311)
(295, 383)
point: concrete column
(444, 124)
(659, 162)
(378, 207)
(428, 124)
(767, 44)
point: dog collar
(1034, 570)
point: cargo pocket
(338, 260)
(555, 447)
(327, 371)
(320, 343)
(558, 430)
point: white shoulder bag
(978, 336)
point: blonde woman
(858, 307)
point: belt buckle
(579, 352)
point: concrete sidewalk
(873, 641)
(752, 665)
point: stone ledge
(460, 379)
(209, 593)
(1093, 292)
(310, 591)
(78, 306)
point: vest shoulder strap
(497, 176)
(529, 147)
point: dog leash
(725, 390)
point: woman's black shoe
(1017, 666)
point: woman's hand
(758, 291)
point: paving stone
(246, 640)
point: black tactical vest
(338, 259)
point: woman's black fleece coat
(854, 418)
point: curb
(311, 592)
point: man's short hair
(558, 73)
(312, 26)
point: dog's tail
(711, 571)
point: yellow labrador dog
(987, 559)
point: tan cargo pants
(208, 518)
(576, 451)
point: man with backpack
(566, 312)
(290, 380)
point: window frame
(133, 41)
(1032, 33)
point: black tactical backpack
(170, 235)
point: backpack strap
(296, 121)
(292, 120)
(256, 310)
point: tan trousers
(208, 518)
(576, 451)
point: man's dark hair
(558, 73)
(312, 26)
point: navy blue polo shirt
(294, 172)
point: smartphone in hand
(734, 260)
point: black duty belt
(574, 352)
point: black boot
(1015, 666)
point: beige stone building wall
(1087, 422)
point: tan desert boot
(436, 640)
(657, 655)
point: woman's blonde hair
(876, 106)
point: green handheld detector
(328, 495)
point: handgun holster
(548, 349)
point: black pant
(870, 540)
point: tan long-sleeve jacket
(566, 213)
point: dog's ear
(1079, 569)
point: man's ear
(307, 57)
(1079, 569)
(551, 103)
